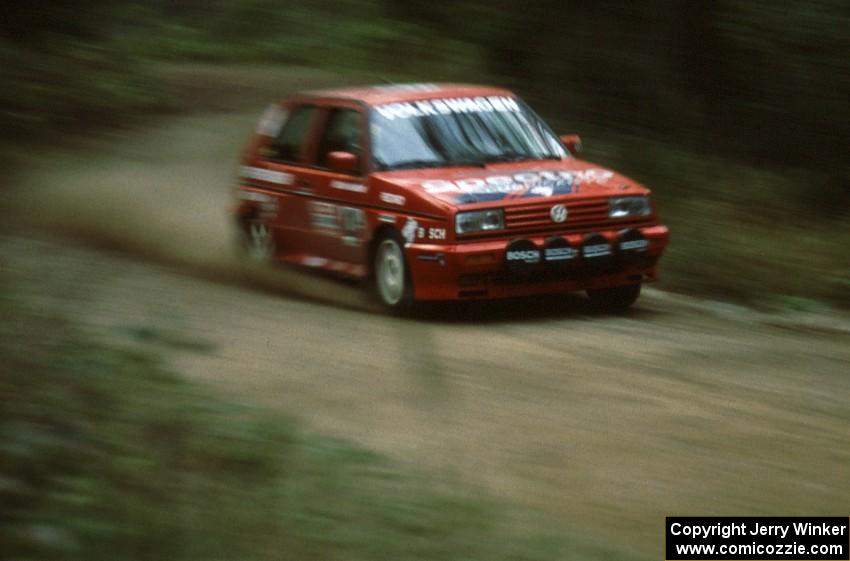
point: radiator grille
(582, 217)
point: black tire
(614, 299)
(391, 275)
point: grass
(105, 453)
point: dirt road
(682, 407)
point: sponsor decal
(447, 106)
(521, 255)
(557, 251)
(346, 186)
(261, 174)
(436, 233)
(540, 183)
(268, 204)
(527, 256)
(388, 218)
(348, 223)
(353, 221)
(526, 184)
(558, 213)
(408, 232)
(597, 250)
(634, 245)
(560, 253)
(392, 198)
(323, 216)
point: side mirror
(572, 142)
(343, 162)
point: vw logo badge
(558, 213)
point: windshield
(459, 131)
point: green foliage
(756, 80)
(89, 66)
(70, 86)
(106, 454)
(759, 235)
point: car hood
(523, 181)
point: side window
(342, 134)
(289, 144)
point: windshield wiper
(470, 162)
(507, 157)
(412, 164)
(548, 157)
(416, 164)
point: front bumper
(482, 269)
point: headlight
(478, 221)
(625, 207)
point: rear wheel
(614, 299)
(391, 275)
(257, 241)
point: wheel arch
(382, 231)
(245, 212)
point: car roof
(393, 93)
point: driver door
(340, 196)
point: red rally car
(441, 192)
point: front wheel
(391, 275)
(614, 299)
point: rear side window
(289, 144)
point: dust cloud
(164, 195)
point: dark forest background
(734, 113)
(758, 79)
